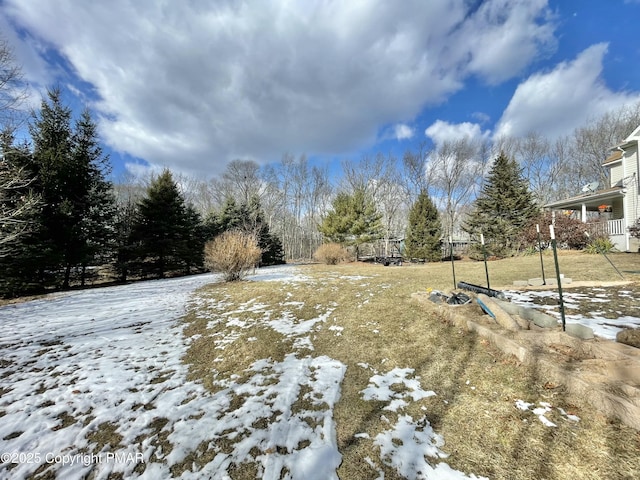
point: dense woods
(66, 219)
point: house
(617, 206)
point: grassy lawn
(371, 325)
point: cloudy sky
(194, 84)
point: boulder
(578, 331)
(541, 319)
(501, 317)
(629, 336)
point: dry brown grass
(484, 433)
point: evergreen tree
(161, 226)
(95, 203)
(354, 220)
(424, 230)
(249, 219)
(78, 204)
(56, 183)
(503, 208)
(336, 225)
(124, 243)
(192, 246)
(269, 244)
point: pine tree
(160, 228)
(192, 246)
(336, 225)
(57, 182)
(354, 220)
(78, 203)
(125, 220)
(503, 208)
(95, 201)
(424, 230)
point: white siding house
(620, 197)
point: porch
(615, 229)
(602, 211)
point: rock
(578, 331)
(554, 282)
(534, 282)
(541, 319)
(629, 336)
(501, 317)
(510, 308)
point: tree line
(69, 218)
(62, 214)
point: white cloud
(193, 85)
(555, 102)
(504, 36)
(440, 132)
(402, 131)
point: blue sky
(194, 85)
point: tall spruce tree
(503, 208)
(353, 220)
(126, 217)
(95, 202)
(424, 230)
(191, 250)
(56, 180)
(78, 204)
(162, 227)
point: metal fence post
(555, 258)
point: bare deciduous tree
(16, 202)
(457, 169)
(16, 205)
(13, 89)
(416, 177)
(242, 180)
(380, 178)
(296, 196)
(593, 141)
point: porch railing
(610, 227)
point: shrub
(569, 232)
(331, 254)
(232, 253)
(600, 244)
(634, 230)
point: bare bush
(232, 253)
(331, 254)
(569, 232)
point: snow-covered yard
(94, 381)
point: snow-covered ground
(591, 308)
(93, 382)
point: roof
(614, 157)
(588, 199)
